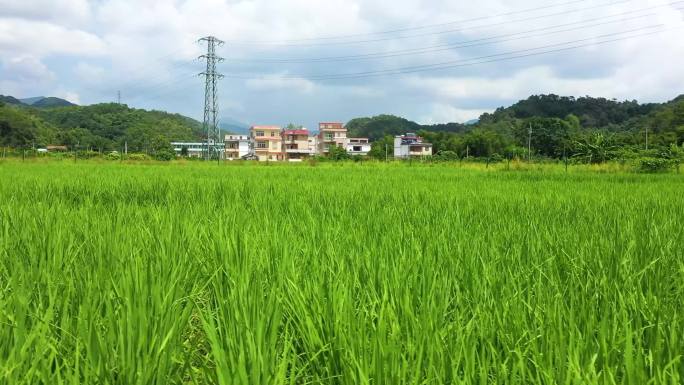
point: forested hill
(592, 112)
(379, 126)
(98, 127)
(561, 126)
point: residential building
(411, 145)
(331, 134)
(189, 149)
(296, 144)
(358, 146)
(237, 146)
(313, 144)
(267, 142)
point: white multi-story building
(411, 146)
(313, 144)
(358, 146)
(237, 146)
(196, 149)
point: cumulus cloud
(69, 11)
(41, 38)
(149, 48)
(281, 83)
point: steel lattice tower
(212, 77)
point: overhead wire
(471, 61)
(462, 44)
(460, 29)
(337, 37)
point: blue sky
(86, 51)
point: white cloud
(40, 38)
(27, 69)
(280, 83)
(440, 113)
(69, 11)
(144, 47)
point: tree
(382, 148)
(595, 149)
(338, 153)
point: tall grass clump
(338, 274)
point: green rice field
(193, 273)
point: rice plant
(338, 274)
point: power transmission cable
(338, 37)
(460, 29)
(141, 80)
(473, 61)
(463, 44)
(169, 84)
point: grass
(339, 274)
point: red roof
(296, 132)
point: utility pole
(529, 143)
(646, 138)
(210, 95)
(385, 152)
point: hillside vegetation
(594, 129)
(585, 129)
(98, 127)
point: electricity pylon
(210, 125)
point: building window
(259, 133)
(273, 134)
(328, 136)
(262, 144)
(357, 149)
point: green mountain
(561, 126)
(99, 127)
(51, 102)
(41, 101)
(9, 100)
(30, 101)
(380, 126)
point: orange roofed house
(296, 145)
(267, 143)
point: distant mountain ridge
(38, 101)
(47, 102)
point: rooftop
(296, 132)
(265, 128)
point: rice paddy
(338, 274)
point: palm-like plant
(595, 149)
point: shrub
(87, 154)
(446, 156)
(138, 157)
(165, 155)
(655, 165)
(113, 156)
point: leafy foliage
(102, 127)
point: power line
(337, 37)
(460, 29)
(463, 44)
(472, 61)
